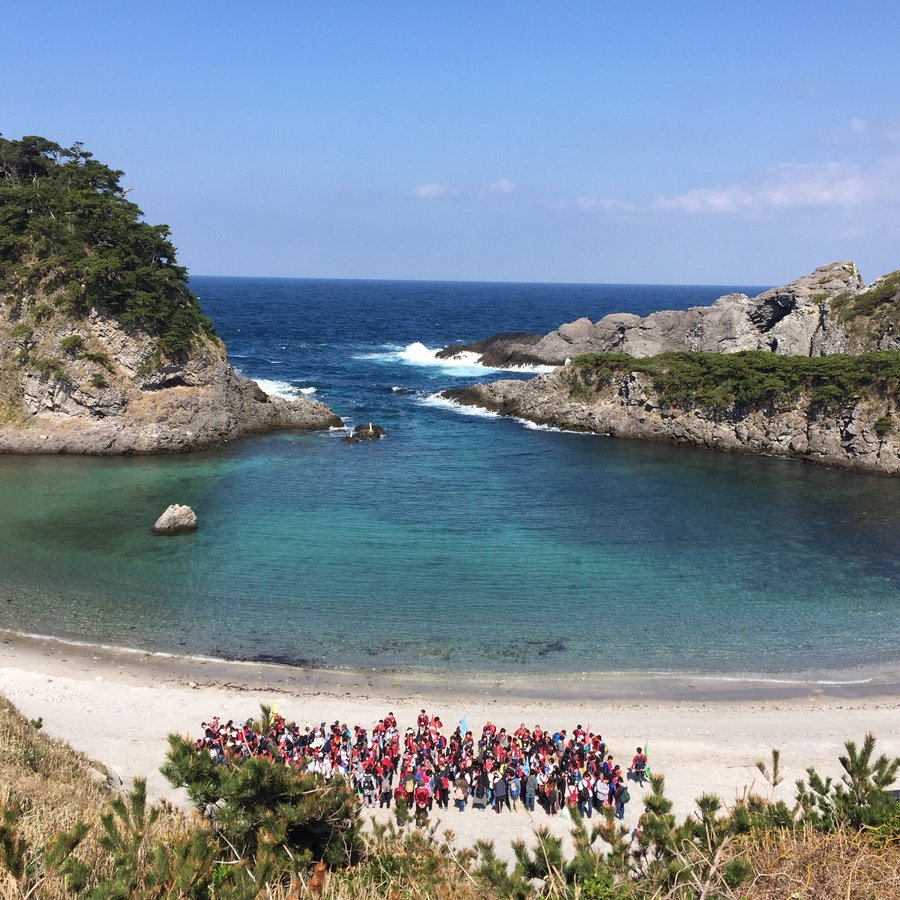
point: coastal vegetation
(103, 347)
(748, 380)
(264, 830)
(872, 315)
(70, 236)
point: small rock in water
(176, 520)
(368, 432)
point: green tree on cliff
(68, 230)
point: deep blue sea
(460, 541)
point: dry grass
(810, 865)
(52, 784)
(54, 787)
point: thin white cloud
(817, 184)
(727, 199)
(858, 125)
(501, 186)
(608, 204)
(796, 185)
(431, 191)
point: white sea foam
(464, 364)
(763, 679)
(283, 389)
(534, 426)
(446, 403)
(480, 412)
(135, 651)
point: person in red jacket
(423, 799)
(638, 767)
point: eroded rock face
(176, 519)
(109, 392)
(629, 408)
(792, 320)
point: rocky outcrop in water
(176, 519)
(812, 316)
(859, 433)
(91, 385)
(367, 432)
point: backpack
(640, 764)
(624, 797)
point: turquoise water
(458, 542)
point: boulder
(367, 432)
(176, 519)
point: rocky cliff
(857, 433)
(92, 385)
(103, 348)
(827, 311)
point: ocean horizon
(462, 541)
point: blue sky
(521, 141)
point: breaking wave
(463, 364)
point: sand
(119, 707)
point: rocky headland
(824, 312)
(103, 348)
(93, 386)
(808, 371)
(858, 434)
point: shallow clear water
(459, 541)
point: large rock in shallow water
(177, 519)
(368, 432)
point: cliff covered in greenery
(68, 232)
(103, 348)
(732, 384)
(837, 410)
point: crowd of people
(423, 767)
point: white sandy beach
(119, 707)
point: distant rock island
(103, 348)
(810, 371)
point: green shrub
(884, 426)
(42, 312)
(98, 381)
(859, 799)
(750, 380)
(21, 331)
(72, 344)
(98, 356)
(49, 367)
(260, 805)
